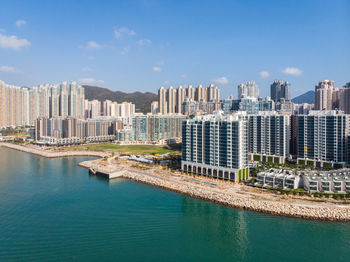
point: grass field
(126, 149)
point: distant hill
(308, 97)
(141, 100)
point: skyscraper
(213, 93)
(190, 92)
(280, 91)
(180, 97)
(344, 98)
(171, 100)
(64, 93)
(325, 95)
(162, 100)
(250, 89)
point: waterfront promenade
(226, 193)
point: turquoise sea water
(52, 210)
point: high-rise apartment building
(269, 137)
(190, 92)
(171, 101)
(344, 98)
(180, 98)
(213, 93)
(216, 146)
(154, 128)
(92, 108)
(326, 95)
(162, 98)
(280, 90)
(21, 106)
(248, 90)
(154, 107)
(322, 136)
(69, 127)
(107, 107)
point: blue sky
(141, 45)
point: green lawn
(127, 149)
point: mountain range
(143, 101)
(308, 97)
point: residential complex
(250, 89)
(216, 146)
(21, 106)
(326, 95)
(269, 136)
(153, 129)
(96, 108)
(344, 98)
(280, 91)
(65, 130)
(334, 181)
(171, 100)
(218, 136)
(323, 136)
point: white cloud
(166, 82)
(86, 69)
(123, 31)
(157, 69)
(7, 69)
(90, 81)
(13, 42)
(264, 74)
(2, 30)
(19, 23)
(92, 45)
(144, 42)
(183, 76)
(292, 71)
(221, 80)
(125, 50)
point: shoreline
(50, 154)
(217, 191)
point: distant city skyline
(142, 45)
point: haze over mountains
(143, 101)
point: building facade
(68, 127)
(326, 95)
(322, 137)
(344, 98)
(156, 128)
(250, 89)
(280, 90)
(269, 136)
(216, 146)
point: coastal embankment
(221, 192)
(229, 194)
(52, 154)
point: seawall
(50, 154)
